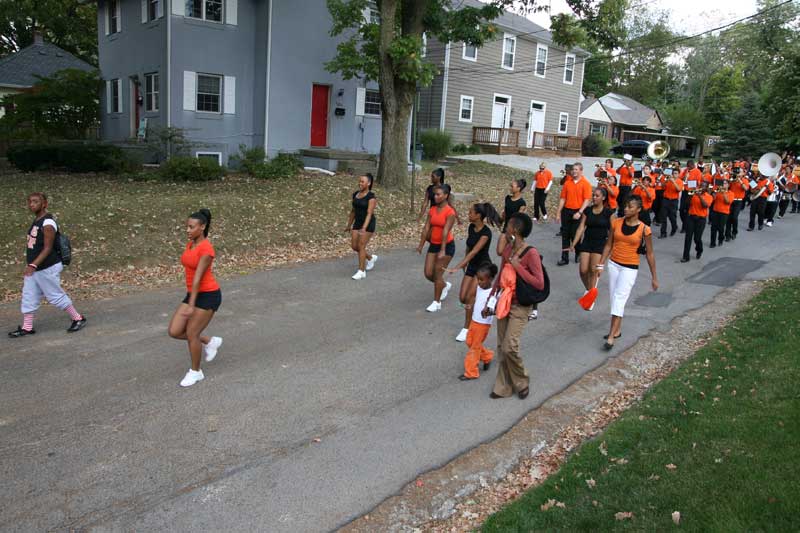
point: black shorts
(591, 247)
(449, 248)
(470, 271)
(206, 300)
(358, 224)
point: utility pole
(414, 127)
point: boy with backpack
(42, 276)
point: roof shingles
(23, 69)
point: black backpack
(526, 294)
(64, 248)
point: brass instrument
(769, 164)
(658, 150)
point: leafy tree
(747, 132)
(69, 24)
(683, 118)
(390, 52)
(63, 106)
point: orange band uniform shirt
(647, 203)
(190, 259)
(543, 178)
(438, 220)
(739, 191)
(626, 247)
(613, 193)
(671, 191)
(719, 205)
(770, 187)
(575, 193)
(696, 207)
(625, 176)
(658, 181)
(691, 175)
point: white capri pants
(620, 283)
(44, 283)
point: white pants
(44, 283)
(620, 284)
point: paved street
(95, 432)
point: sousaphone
(658, 150)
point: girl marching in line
(438, 230)
(480, 325)
(479, 238)
(361, 224)
(514, 203)
(592, 235)
(202, 300)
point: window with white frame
(372, 102)
(541, 60)
(563, 122)
(210, 10)
(470, 52)
(215, 156)
(424, 44)
(114, 96)
(151, 91)
(509, 49)
(209, 93)
(152, 9)
(113, 16)
(596, 128)
(374, 13)
(465, 112)
(569, 68)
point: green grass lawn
(120, 227)
(717, 441)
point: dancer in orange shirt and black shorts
(202, 300)
(438, 230)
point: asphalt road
(95, 432)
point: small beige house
(518, 92)
(617, 117)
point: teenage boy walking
(42, 277)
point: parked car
(636, 148)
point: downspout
(169, 62)
(444, 86)
(269, 70)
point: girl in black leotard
(361, 225)
(479, 239)
(514, 203)
(592, 234)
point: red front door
(319, 115)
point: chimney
(38, 38)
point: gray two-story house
(518, 92)
(230, 73)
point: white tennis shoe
(192, 377)
(210, 349)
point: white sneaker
(210, 349)
(371, 262)
(435, 306)
(462, 336)
(533, 315)
(544, 217)
(360, 274)
(192, 377)
(769, 224)
(445, 291)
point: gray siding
(136, 50)
(484, 78)
(430, 108)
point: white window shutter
(144, 11)
(229, 102)
(361, 100)
(119, 96)
(231, 9)
(160, 8)
(108, 97)
(189, 90)
(179, 7)
(119, 17)
(108, 18)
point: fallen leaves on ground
(623, 515)
(552, 503)
(676, 518)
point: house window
(204, 9)
(374, 14)
(372, 103)
(151, 92)
(209, 93)
(465, 113)
(470, 52)
(215, 156)
(598, 129)
(115, 96)
(424, 44)
(152, 9)
(563, 122)
(569, 68)
(541, 60)
(113, 16)
(509, 48)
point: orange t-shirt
(673, 191)
(625, 250)
(613, 193)
(191, 258)
(658, 181)
(625, 176)
(543, 179)
(609, 172)
(647, 203)
(438, 220)
(739, 190)
(765, 182)
(719, 205)
(696, 208)
(692, 175)
(575, 193)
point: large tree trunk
(397, 94)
